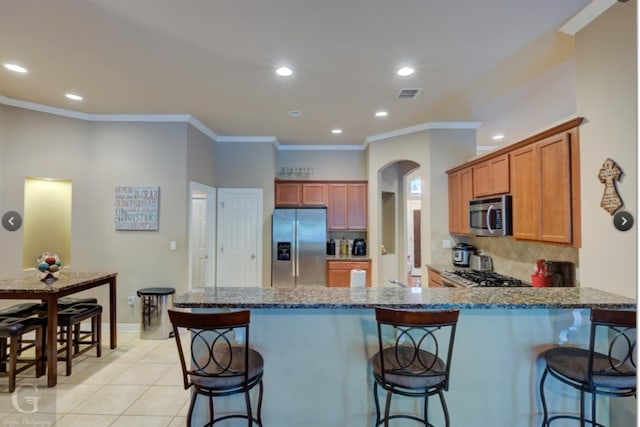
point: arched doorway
(397, 256)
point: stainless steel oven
(490, 216)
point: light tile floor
(137, 384)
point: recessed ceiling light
(15, 68)
(284, 71)
(381, 114)
(336, 131)
(405, 71)
(295, 113)
(497, 137)
(73, 96)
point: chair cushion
(572, 363)
(23, 310)
(15, 326)
(77, 313)
(409, 371)
(225, 380)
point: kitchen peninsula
(317, 343)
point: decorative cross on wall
(608, 175)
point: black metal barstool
(607, 367)
(221, 361)
(417, 363)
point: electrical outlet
(446, 244)
(131, 299)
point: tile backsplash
(517, 258)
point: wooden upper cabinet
(347, 207)
(291, 193)
(460, 192)
(542, 190)
(346, 201)
(314, 194)
(357, 206)
(288, 194)
(542, 173)
(491, 177)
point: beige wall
(326, 164)
(96, 157)
(607, 87)
(435, 151)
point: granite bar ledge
(424, 298)
(317, 344)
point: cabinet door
(525, 192)
(491, 177)
(541, 183)
(555, 189)
(482, 179)
(500, 174)
(466, 194)
(357, 206)
(288, 194)
(337, 207)
(460, 192)
(314, 194)
(338, 278)
(435, 280)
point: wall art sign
(608, 175)
(136, 207)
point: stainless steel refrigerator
(299, 245)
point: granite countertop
(348, 258)
(426, 298)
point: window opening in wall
(47, 219)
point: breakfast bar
(317, 343)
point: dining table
(66, 283)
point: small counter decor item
(541, 277)
(49, 265)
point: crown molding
(168, 118)
(321, 148)
(421, 127)
(585, 16)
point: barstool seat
(25, 309)
(607, 367)
(73, 337)
(12, 329)
(417, 363)
(218, 360)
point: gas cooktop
(479, 278)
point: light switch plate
(172, 245)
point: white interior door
(239, 250)
(202, 235)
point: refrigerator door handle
(295, 265)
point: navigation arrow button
(11, 221)
(623, 221)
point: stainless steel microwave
(490, 216)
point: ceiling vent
(408, 93)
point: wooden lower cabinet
(435, 281)
(339, 272)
